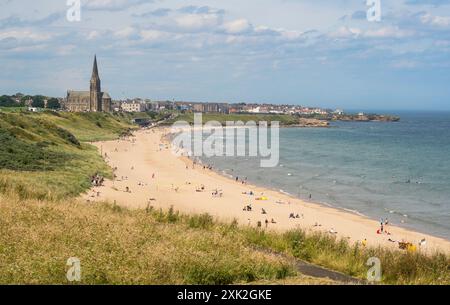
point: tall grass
(119, 246)
(338, 254)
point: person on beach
(364, 242)
(248, 208)
(263, 212)
(267, 223)
(332, 231)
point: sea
(398, 171)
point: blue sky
(308, 52)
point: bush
(203, 221)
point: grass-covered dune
(42, 154)
(119, 246)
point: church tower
(96, 95)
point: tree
(53, 103)
(7, 101)
(38, 101)
(25, 98)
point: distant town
(39, 103)
(138, 105)
(95, 100)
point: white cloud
(345, 32)
(93, 35)
(389, 32)
(237, 26)
(125, 32)
(153, 35)
(25, 34)
(197, 21)
(291, 35)
(438, 21)
(66, 50)
(112, 5)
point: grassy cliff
(43, 156)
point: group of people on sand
(217, 193)
(243, 181)
(294, 216)
(249, 208)
(200, 189)
(266, 222)
(383, 224)
(403, 245)
(97, 180)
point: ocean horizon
(398, 171)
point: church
(89, 101)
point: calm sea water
(399, 171)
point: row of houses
(139, 105)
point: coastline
(176, 183)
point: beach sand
(176, 181)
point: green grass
(284, 120)
(120, 246)
(12, 109)
(337, 254)
(42, 157)
(90, 127)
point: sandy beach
(148, 173)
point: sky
(307, 52)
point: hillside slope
(119, 246)
(42, 154)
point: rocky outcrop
(365, 118)
(312, 123)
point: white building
(133, 106)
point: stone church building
(89, 101)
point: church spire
(95, 69)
